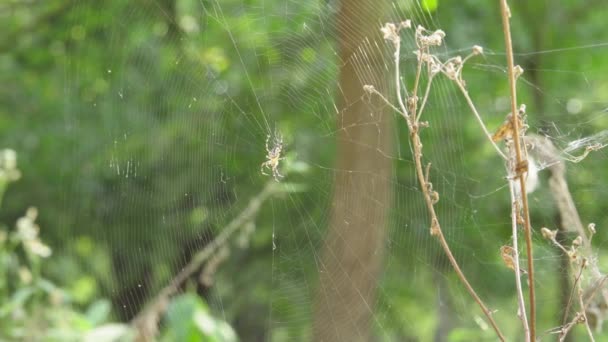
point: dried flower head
(451, 71)
(548, 234)
(406, 24)
(591, 228)
(390, 32)
(518, 71)
(434, 39)
(477, 50)
(8, 165)
(434, 197)
(434, 67)
(38, 248)
(508, 256)
(369, 88)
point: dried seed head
(435, 229)
(591, 228)
(423, 56)
(518, 71)
(439, 33)
(578, 241)
(450, 71)
(433, 39)
(434, 197)
(369, 88)
(507, 254)
(434, 67)
(390, 32)
(436, 38)
(477, 50)
(548, 234)
(406, 24)
(420, 29)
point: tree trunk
(352, 253)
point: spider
(273, 156)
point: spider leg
(267, 141)
(276, 175)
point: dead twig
(411, 114)
(520, 164)
(521, 305)
(580, 315)
(146, 321)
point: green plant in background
(34, 308)
(31, 306)
(189, 319)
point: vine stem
(425, 186)
(521, 164)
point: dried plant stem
(575, 285)
(520, 165)
(436, 231)
(428, 198)
(403, 110)
(581, 302)
(584, 315)
(424, 99)
(520, 296)
(465, 93)
(566, 329)
(146, 320)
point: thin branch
(566, 329)
(465, 93)
(146, 320)
(520, 296)
(436, 231)
(391, 33)
(414, 97)
(427, 91)
(575, 285)
(370, 89)
(431, 199)
(521, 164)
(398, 84)
(581, 303)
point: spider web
(176, 119)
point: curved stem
(436, 231)
(428, 198)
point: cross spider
(273, 156)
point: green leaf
(98, 312)
(189, 319)
(429, 5)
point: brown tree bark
(352, 253)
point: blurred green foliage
(140, 128)
(189, 319)
(32, 308)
